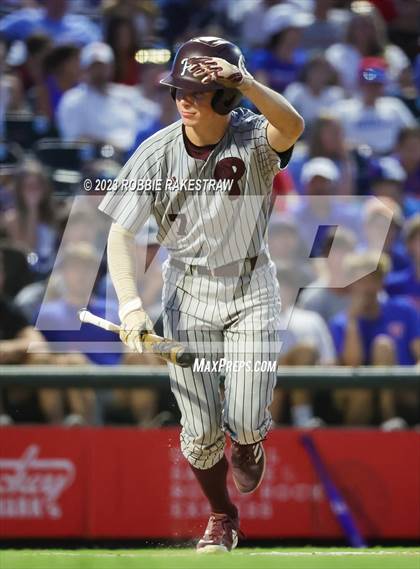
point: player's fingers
(209, 78)
(199, 72)
(138, 345)
(205, 60)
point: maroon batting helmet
(180, 77)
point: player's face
(194, 107)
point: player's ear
(224, 100)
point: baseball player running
(220, 293)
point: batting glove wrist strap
(130, 306)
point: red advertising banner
(132, 483)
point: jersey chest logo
(233, 169)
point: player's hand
(132, 328)
(211, 69)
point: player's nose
(185, 96)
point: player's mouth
(187, 115)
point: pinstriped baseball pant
(235, 318)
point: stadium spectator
(17, 272)
(382, 223)
(387, 180)
(98, 110)
(408, 153)
(286, 246)
(306, 340)
(16, 336)
(61, 72)
(31, 223)
(11, 93)
(72, 343)
(28, 66)
(279, 62)
(76, 344)
(327, 296)
(404, 29)
(408, 92)
(373, 119)
(374, 330)
(365, 38)
(143, 14)
(326, 139)
(406, 283)
(316, 91)
(320, 208)
(248, 18)
(327, 28)
(52, 19)
(120, 34)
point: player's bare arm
(285, 125)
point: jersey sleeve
(128, 202)
(269, 161)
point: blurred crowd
(79, 90)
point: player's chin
(189, 119)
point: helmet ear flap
(225, 100)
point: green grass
(304, 558)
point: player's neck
(205, 134)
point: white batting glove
(221, 71)
(132, 328)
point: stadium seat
(59, 154)
(10, 156)
(26, 128)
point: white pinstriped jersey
(210, 227)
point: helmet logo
(186, 66)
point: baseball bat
(336, 500)
(169, 350)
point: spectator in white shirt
(97, 110)
(316, 91)
(306, 340)
(373, 119)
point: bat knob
(185, 359)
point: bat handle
(169, 350)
